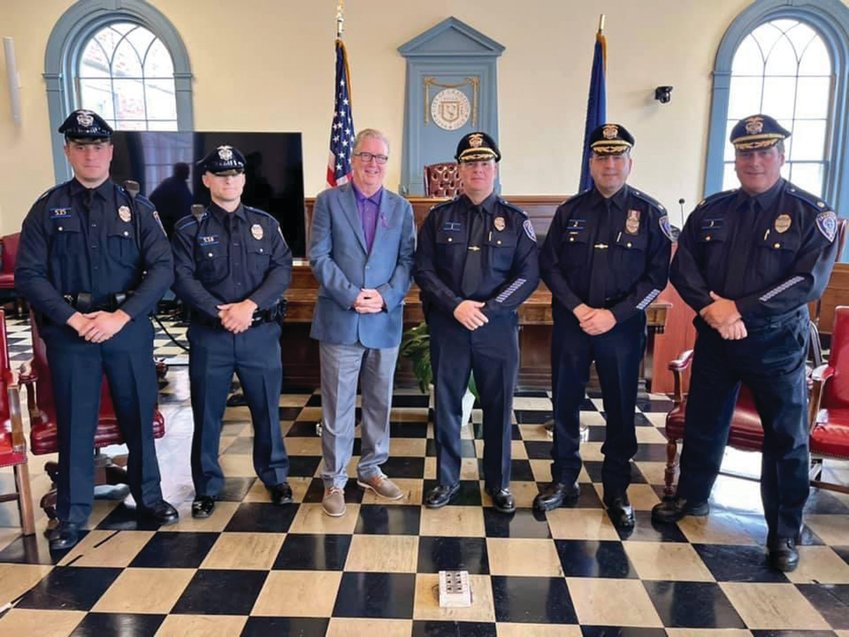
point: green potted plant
(415, 345)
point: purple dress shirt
(369, 209)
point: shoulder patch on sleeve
(827, 224)
(666, 229)
(529, 230)
(639, 194)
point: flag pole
(340, 18)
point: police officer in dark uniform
(476, 262)
(93, 263)
(748, 262)
(232, 267)
(605, 259)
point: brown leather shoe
(333, 502)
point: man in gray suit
(361, 252)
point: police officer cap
(85, 125)
(477, 147)
(223, 160)
(611, 139)
(757, 131)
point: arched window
(788, 59)
(126, 75)
(123, 59)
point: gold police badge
(124, 214)
(225, 153)
(499, 223)
(632, 222)
(783, 222)
(610, 131)
(755, 125)
(475, 140)
(256, 231)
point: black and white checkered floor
(255, 569)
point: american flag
(342, 130)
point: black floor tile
(738, 563)
(693, 605)
(377, 519)
(593, 468)
(235, 489)
(387, 595)
(31, 549)
(621, 631)
(831, 600)
(538, 449)
(822, 502)
(410, 400)
(596, 433)
(520, 471)
(468, 495)
(467, 448)
(407, 430)
(453, 629)
(290, 413)
(213, 592)
(654, 405)
(313, 552)
(294, 626)
(453, 554)
(842, 551)
(123, 518)
(261, 517)
(303, 466)
(522, 523)
(69, 588)
(641, 421)
(175, 550)
(530, 393)
(793, 633)
(593, 558)
(655, 452)
(538, 600)
(301, 429)
(532, 416)
(123, 624)
(404, 467)
(314, 401)
(353, 492)
(647, 531)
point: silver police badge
(632, 222)
(124, 214)
(85, 119)
(256, 231)
(499, 223)
(783, 223)
(225, 153)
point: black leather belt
(83, 301)
(274, 314)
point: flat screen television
(274, 174)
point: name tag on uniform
(452, 226)
(60, 213)
(208, 240)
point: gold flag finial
(601, 23)
(340, 18)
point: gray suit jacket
(342, 266)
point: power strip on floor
(454, 589)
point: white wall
(269, 65)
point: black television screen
(168, 160)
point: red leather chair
(43, 429)
(8, 258)
(442, 180)
(829, 404)
(13, 444)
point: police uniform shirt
(509, 266)
(76, 239)
(634, 243)
(770, 253)
(229, 257)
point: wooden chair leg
(671, 464)
(24, 499)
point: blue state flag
(596, 106)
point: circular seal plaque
(450, 109)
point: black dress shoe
(620, 511)
(441, 495)
(673, 510)
(502, 500)
(64, 536)
(281, 494)
(783, 554)
(557, 494)
(161, 513)
(203, 506)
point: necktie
(472, 269)
(88, 200)
(601, 255)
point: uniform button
(367, 267)
(498, 242)
(572, 239)
(776, 245)
(209, 255)
(629, 244)
(450, 239)
(94, 225)
(60, 228)
(707, 238)
(126, 234)
(260, 250)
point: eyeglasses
(367, 157)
